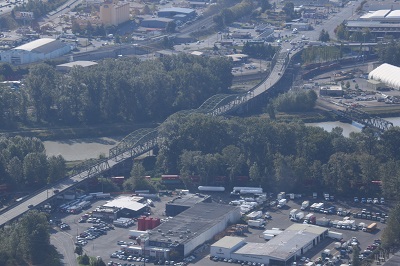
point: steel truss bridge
(364, 119)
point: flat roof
(394, 14)
(158, 19)
(362, 23)
(188, 200)
(78, 63)
(177, 9)
(191, 223)
(380, 13)
(228, 242)
(43, 45)
(130, 203)
(284, 245)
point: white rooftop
(380, 13)
(126, 202)
(35, 44)
(388, 74)
(394, 14)
(78, 63)
(228, 242)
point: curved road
(15, 211)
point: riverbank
(63, 133)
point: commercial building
(383, 15)
(173, 11)
(114, 13)
(375, 27)
(184, 202)
(68, 66)
(193, 227)
(331, 90)
(284, 248)
(38, 50)
(158, 23)
(224, 247)
(123, 206)
(387, 74)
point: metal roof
(394, 14)
(44, 45)
(177, 10)
(286, 244)
(188, 200)
(377, 24)
(191, 223)
(388, 74)
(130, 203)
(228, 242)
(380, 13)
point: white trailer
(256, 223)
(268, 236)
(305, 205)
(137, 233)
(299, 216)
(335, 235)
(254, 215)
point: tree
(84, 259)
(391, 234)
(78, 250)
(75, 27)
(265, 4)
(56, 168)
(35, 169)
(288, 9)
(171, 26)
(41, 84)
(97, 262)
(324, 36)
(356, 260)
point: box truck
(282, 203)
(268, 236)
(305, 205)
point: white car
(375, 201)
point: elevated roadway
(143, 140)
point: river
(81, 149)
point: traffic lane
(65, 246)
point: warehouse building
(193, 227)
(377, 28)
(173, 11)
(158, 23)
(283, 249)
(184, 202)
(37, 50)
(127, 207)
(386, 74)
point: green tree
(84, 259)
(56, 168)
(78, 250)
(35, 169)
(356, 260)
(171, 26)
(41, 83)
(324, 36)
(391, 233)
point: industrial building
(383, 15)
(184, 202)
(284, 248)
(114, 13)
(386, 74)
(68, 66)
(375, 27)
(158, 23)
(193, 227)
(173, 11)
(124, 206)
(331, 90)
(38, 50)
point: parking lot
(109, 242)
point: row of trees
(389, 52)
(126, 89)
(342, 33)
(321, 54)
(277, 155)
(24, 164)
